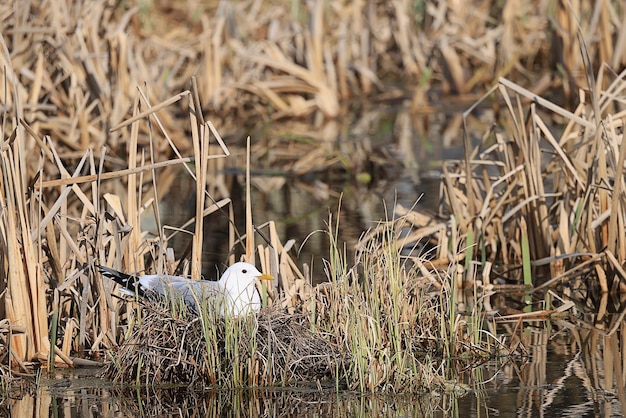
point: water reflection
(569, 369)
(84, 397)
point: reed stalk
(382, 317)
(61, 213)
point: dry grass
(530, 200)
(79, 75)
(206, 350)
(376, 326)
(73, 119)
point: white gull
(234, 294)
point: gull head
(239, 283)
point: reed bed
(282, 60)
(73, 120)
(376, 326)
(90, 220)
(536, 204)
(559, 234)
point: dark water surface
(88, 397)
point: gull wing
(164, 286)
(190, 291)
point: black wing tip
(107, 271)
(127, 281)
(123, 279)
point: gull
(234, 294)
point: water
(110, 402)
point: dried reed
(207, 350)
(534, 208)
(70, 88)
(77, 78)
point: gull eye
(244, 271)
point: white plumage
(234, 294)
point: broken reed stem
(111, 175)
(134, 263)
(153, 109)
(249, 223)
(199, 136)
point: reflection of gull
(235, 293)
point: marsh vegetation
(101, 100)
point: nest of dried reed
(172, 347)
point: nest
(267, 349)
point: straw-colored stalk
(531, 200)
